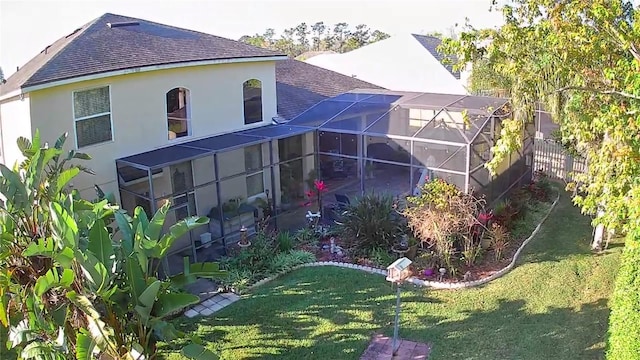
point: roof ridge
(185, 29)
(94, 48)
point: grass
(552, 306)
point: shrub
(506, 213)
(306, 236)
(256, 258)
(285, 241)
(499, 239)
(545, 185)
(540, 190)
(624, 329)
(380, 257)
(424, 261)
(237, 279)
(289, 260)
(519, 200)
(471, 250)
(263, 259)
(371, 222)
(445, 217)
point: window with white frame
(253, 167)
(178, 114)
(92, 116)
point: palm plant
(68, 288)
(371, 222)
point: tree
(358, 38)
(378, 35)
(255, 40)
(302, 32)
(317, 30)
(485, 80)
(295, 41)
(340, 34)
(436, 34)
(268, 36)
(68, 288)
(580, 58)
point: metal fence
(551, 158)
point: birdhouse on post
(399, 270)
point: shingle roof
(97, 48)
(301, 85)
(431, 43)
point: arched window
(252, 95)
(178, 114)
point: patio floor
(380, 348)
(389, 181)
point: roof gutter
(12, 94)
(150, 68)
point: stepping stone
(206, 312)
(191, 313)
(380, 347)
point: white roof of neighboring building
(401, 62)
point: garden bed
(478, 242)
(485, 268)
(514, 219)
(488, 265)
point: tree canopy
(317, 37)
(581, 60)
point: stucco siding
(16, 122)
(138, 110)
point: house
(402, 63)
(134, 92)
(120, 86)
(300, 85)
(237, 133)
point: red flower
(484, 217)
(320, 186)
(309, 193)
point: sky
(28, 26)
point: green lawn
(552, 306)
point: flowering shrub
(319, 188)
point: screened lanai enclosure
(379, 141)
(232, 179)
(393, 142)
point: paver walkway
(209, 306)
(380, 348)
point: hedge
(624, 320)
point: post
(219, 196)
(395, 344)
(467, 177)
(273, 186)
(362, 162)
